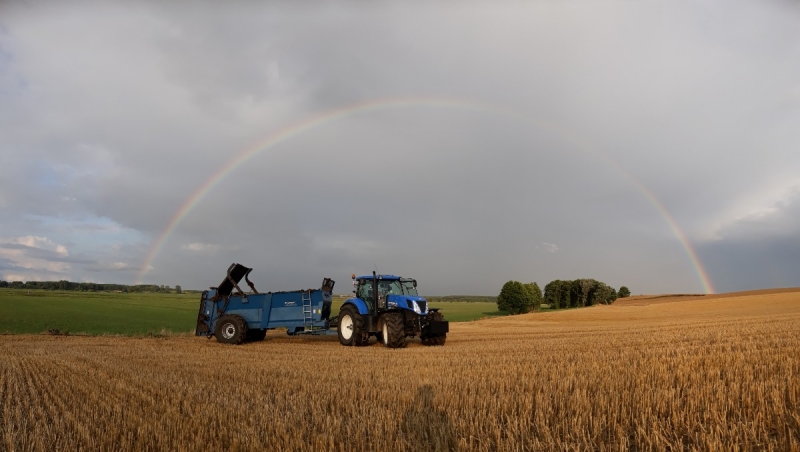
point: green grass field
(95, 313)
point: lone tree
(514, 298)
(624, 292)
(178, 289)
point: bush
(556, 294)
(534, 295)
(579, 292)
(514, 298)
(561, 294)
(624, 292)
(601, 293)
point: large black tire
(256, 335)
(351, 327)
(393, 330)
(438, 340)
(231, 329)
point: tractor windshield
(397, 288)
(408, 288)
(389, 288)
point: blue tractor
(233, 316)
(389, 307)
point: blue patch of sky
(45, 174)
(13, 82)
(48, 174)
(5, 60)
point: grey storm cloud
(758, 251)
(551, 141)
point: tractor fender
(360, 304)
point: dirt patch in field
(644, 300)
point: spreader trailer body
(233, 316)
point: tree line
(87, 286)
(518, 298)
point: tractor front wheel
(351, 327)
(394, 332)
(231, 329)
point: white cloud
(38, 255)
(42, 243)
(550, 247)
(200, 247)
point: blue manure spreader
(385, 306)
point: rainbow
(317, 120)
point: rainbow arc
(318, 120)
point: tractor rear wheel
(394, 332)
(436, 340)
(231, 329)
(351, 327)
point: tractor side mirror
(415, 283)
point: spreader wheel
(230, 329)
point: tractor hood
(410, 302)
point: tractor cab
(389, 288)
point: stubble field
(702, 373)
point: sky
(646, 144)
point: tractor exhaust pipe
(375, 292)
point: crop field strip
(705, 374)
